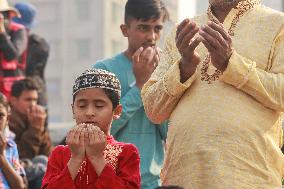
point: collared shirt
(226, 134)
(12, 156)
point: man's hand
(186, 45)
(144, 63)
(218, 42)
(37, 116)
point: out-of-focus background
(83, 31)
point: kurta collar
(235, 13)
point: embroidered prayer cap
(97, 78)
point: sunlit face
(25, 101)
(3, 117)
(93, 106)
(142, 33)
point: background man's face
(143, 33)
(26, 100)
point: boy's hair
(98, 78)
(4, 102)
(145, 10)
(27, 84)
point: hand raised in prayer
(75, 139)
(95, 143)
(145, 60)
(186, 45)
(218, 42)
(36, 116)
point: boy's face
(3, 117)
(93, 106)
(25, 101)
(142, 33)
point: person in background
(32, 137)
(220, 82)
(143, 25)
(12, 174)
(37, 51)
(92, 158)
(13, 43)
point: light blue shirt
(134, 126)
(12, 157)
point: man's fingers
(219, 27)
(136, 55)
(214, 34)
(209, 40)
(147, 55)
(181, 25)
(193, 44)
(188, 38)
(187, 29)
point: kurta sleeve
(163, 90)
(267, 87)
(57, 174)
(127, 175)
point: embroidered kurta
(226, 134)
(121, 171)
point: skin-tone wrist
(98, 162)
(73, 166)
(187, 71)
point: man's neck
(220, 12)
(128, 53)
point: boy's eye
(143, 28)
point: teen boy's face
(25, 101)
(142, 33)
(3, 117)
(93, 106)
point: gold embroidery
(111, 153)
(83, 172)
(242, 8)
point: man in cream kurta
(224, 132)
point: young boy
(12, 174)
(92, 158)
(143, 25)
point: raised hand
(186, 45)
(218, 42)
(95, 143)
(36, 117)
(76, 141)
(144, 63)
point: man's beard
(221, 2)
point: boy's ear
(124, 30)
(117, 112)
(72, 106)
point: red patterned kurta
(121, 171)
